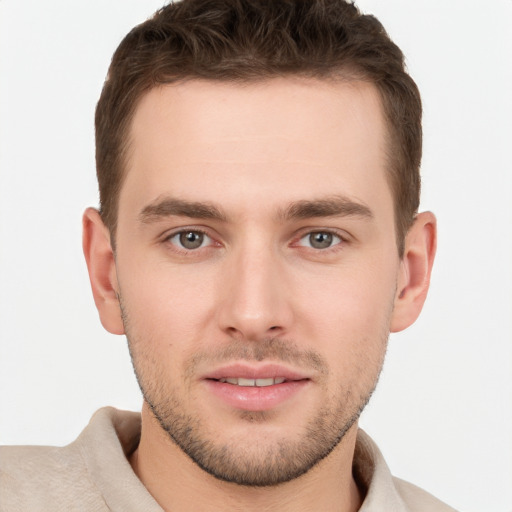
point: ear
(415, 270)
(102, 270)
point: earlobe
(415, 270)
(102, 270)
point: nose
(256, 299)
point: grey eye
(319, 240)
(190, 240)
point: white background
(443, 412)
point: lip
(253, 398)
(260, 371)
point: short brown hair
(251, 40)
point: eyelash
(182, 250)
(336, 246)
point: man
(257, 240)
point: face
(256, 267)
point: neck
(173, 479)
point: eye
(320, 240)
(190, 240)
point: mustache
(272, 349)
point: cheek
(348, 317)
(166, 302)
(352, 298)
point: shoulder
(383, 491)
(418, 500)
(43, 478)
(47, 478)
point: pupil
(320, 240)
(191, 240)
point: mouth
(259, 383)
(256, 388)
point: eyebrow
(333, 206)
(171, 206)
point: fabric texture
(93, 474)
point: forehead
(204, 140)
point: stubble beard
(269, 463)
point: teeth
(246, 382)
(240, 381)
(263, 382)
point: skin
(259, 170)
